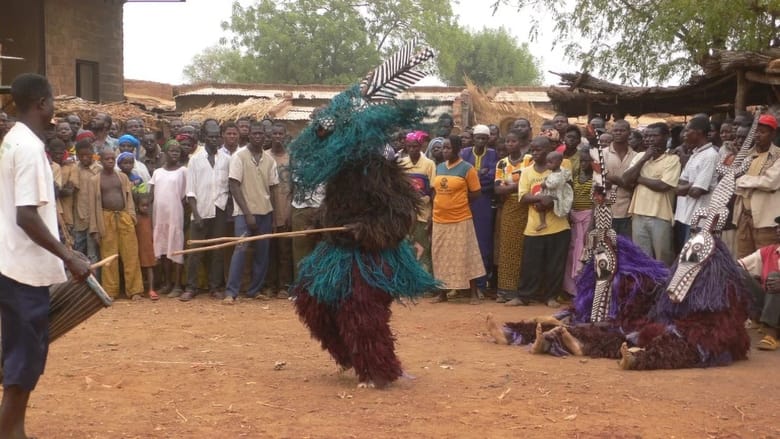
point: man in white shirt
(207, 194)
(697, 179)
(31, 255)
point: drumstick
(241, 240)
(103, 262)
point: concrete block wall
(89, 30)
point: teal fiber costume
(345, 287)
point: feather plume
(397, 73)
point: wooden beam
(762, 78)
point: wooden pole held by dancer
(236, 240)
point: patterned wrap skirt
(455, 253)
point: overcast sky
(162, 38)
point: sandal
(768, 343)
(153, 295)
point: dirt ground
(204, 370)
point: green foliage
(338, 41)
(493, 58)
(653, 40)
(302, 41)
(220, 64)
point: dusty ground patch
(203, 370)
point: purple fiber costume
(482, 208)
(636, 287)
(616, 289)
(700, 322)
(706, 329)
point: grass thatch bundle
(253, 107)
(86, 110)
(503, 114)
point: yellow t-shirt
(505, 169)
(452, 186)
(531, 183)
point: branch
(681, 33)
(387, 34)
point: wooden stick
(269, 235)
(214, 240)
(104, 262)
(257, 238)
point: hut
(731, 81)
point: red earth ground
(204, 370)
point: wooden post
(589, 110)
(740, 100)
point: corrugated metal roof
(297, 113)
(444, 95)
(304, 113)
(211, 91)
(521, 96)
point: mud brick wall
(89, 30)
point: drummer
(31, 255)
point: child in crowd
(168, 188)
(126, 163)
(557, 185)
(112, 225)
(86, 169)
(144, 232)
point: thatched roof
(119, 111)
(257, 108)
(488, 109)
(715, 91)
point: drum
(73, 302)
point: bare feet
(541, 227)
(571, 343)
(496, 332)
(366, 385)
(442, 297)
(626, 357)
(547, 320)
(539, 346)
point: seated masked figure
(700, 322)
(616, 289)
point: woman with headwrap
(421, 171)
(188, 145)
(434, 150)
(126, 162)
(484, 160)
(130, 144)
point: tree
(654, 39)
(493, 58)
(315, 42)
(220, 64)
